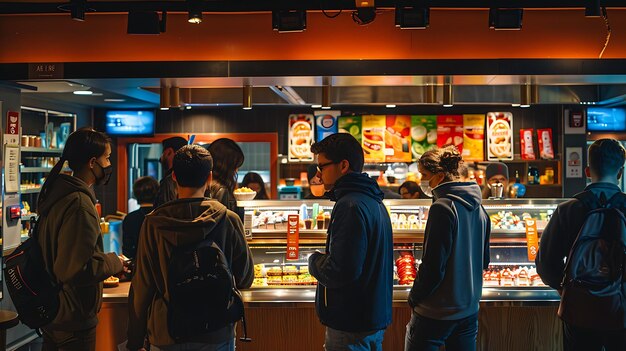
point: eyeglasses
(320, 167)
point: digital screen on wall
(606, 119)
(130, 123)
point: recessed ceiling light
(316, 106)
(325, 107)
(188, 107)
(83, 92)
(114, 100)
(515, 105)
(447, 105)
(524, 105)
(247, 108)
(390, 106)
(164, 108)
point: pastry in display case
(511, 274)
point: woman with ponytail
(70, 238)
(446, 292)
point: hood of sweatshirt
(186, 221)
(466, 193)
(356, 183)
(63, 186)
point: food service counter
(516, 311)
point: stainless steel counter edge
(510, 296)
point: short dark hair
(341, 146)
(174, 142)
(410, 186)
(606, 157)
(145, 189)
(192, 165)
(444, 160)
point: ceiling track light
(365, 12)
(146, 22)
(525, 95)
(448, 93)
(430, 94)
(326, 96)
(592, 9)
(505, 18)
(194, 7)
(78, 9)
(164, 98)
(289, 21)
(247, 97)
(409, 17)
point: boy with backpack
(191, 258)
(582, 255)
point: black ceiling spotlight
(78, 9)
(365, 12)
(195, 11)
(409, 17)
(146, 22)
(592, 9)
(505, 18)
(288, 21)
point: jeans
(337, 340)
(581, 339)
(425, 334)
(228, 345)
(56, 340)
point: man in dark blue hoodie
(355, 275)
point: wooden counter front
(295, 326)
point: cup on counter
(308, 223)
(497, 190)
(320, 221)
(326, 221)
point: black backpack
(32, 288)
(203, 295)
(594, 280)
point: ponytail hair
(446, 160)
(80, 147)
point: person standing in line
(606, 167)
(71, 242)
(254, 181)
(167, 187)
(355, 274)
(182, 222)
(145, 190)
(446, 292)
(227, 158)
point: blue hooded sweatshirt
(456, 250)
(355, 276)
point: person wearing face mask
(71, 242)
(315, 184)
(446, 292)
(167, 185)
(496, 172)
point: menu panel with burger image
(374, 138)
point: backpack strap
(591, 201)
(618, 201)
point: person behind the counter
(496, 172)
(411, 190)
(71, 243)
(355, 275)
(254, 181)
(582, 317)
(145, 190)
(315, 184)
(227, 158)
(167, 187)
(446, 292)
(185, 221)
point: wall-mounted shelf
(31, 190)
(41, 150)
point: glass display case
(511, 275)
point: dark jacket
(131, 225)
(456, 250)
(70, 238)
(561, 232)
(225, 197)
(355, 276)
(167, 190)
(178, 223)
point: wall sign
(48, 70)
(13, 123)
(293, 236)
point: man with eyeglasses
(355, 275)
